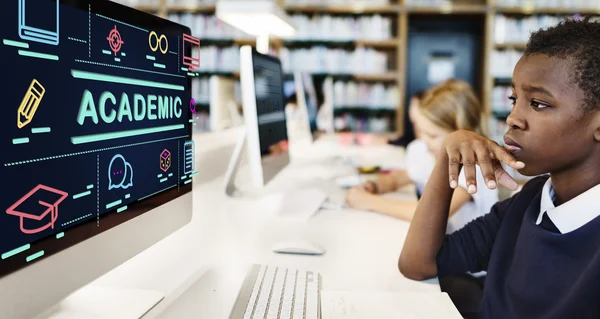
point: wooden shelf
(384, 44)
(343, 9)
(391, 43)
(383, 77)
(449, 9)
(540, 10)
(502, 81)
(376, 77)
(508, 45)
(235, 75)
(500, 115)
(147, 8)
(362, 109)
(199, 8)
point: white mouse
(300, 247)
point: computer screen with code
(96, 121)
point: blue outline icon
(127, 175)
(36, 34)
(188, 157)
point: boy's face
(547, 129)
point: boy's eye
(513, 99)
(538, 105)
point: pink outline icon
(52, 209)
(191, 62)
(165, 160)
(114, 40)
(193, 105)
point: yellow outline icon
(158, 42)
(30, 103)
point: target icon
(114, 40)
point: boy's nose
(516, 120)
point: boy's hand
(470, 149)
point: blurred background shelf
(356, 8)
(448, 9)
(510, 45)
(373, 36)
(529, 10)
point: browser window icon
(38, 21)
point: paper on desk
(383, 305)
(349, 181)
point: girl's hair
(453, 105)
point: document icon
(188, 158)
(34, 208)
(42, 14)
(30, 103)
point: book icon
(34, 208)
(46, 27)
(30, 103)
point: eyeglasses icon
(158, 42)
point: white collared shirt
(570, 215)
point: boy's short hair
(577, 41)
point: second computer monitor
(264, 114)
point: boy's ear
(596, 123)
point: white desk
(201, 267)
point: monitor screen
(270, 105)
(96, 124)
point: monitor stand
(234, 166)
(99, 302)
(300, 203)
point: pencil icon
(30, 103)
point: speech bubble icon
(120, 173)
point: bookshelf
(358, 8)
(393, 46)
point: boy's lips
(511, 146)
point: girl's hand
(468, 149)
(358, 198)
(370, 187)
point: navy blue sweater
(531, 272)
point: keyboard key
(280, 293)
(257, 285)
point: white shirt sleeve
(419, 163)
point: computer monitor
(265, 121)
(96, 138)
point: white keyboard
(278, 293)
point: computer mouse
(298, 247)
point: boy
(540, 248)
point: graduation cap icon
(38, 209)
